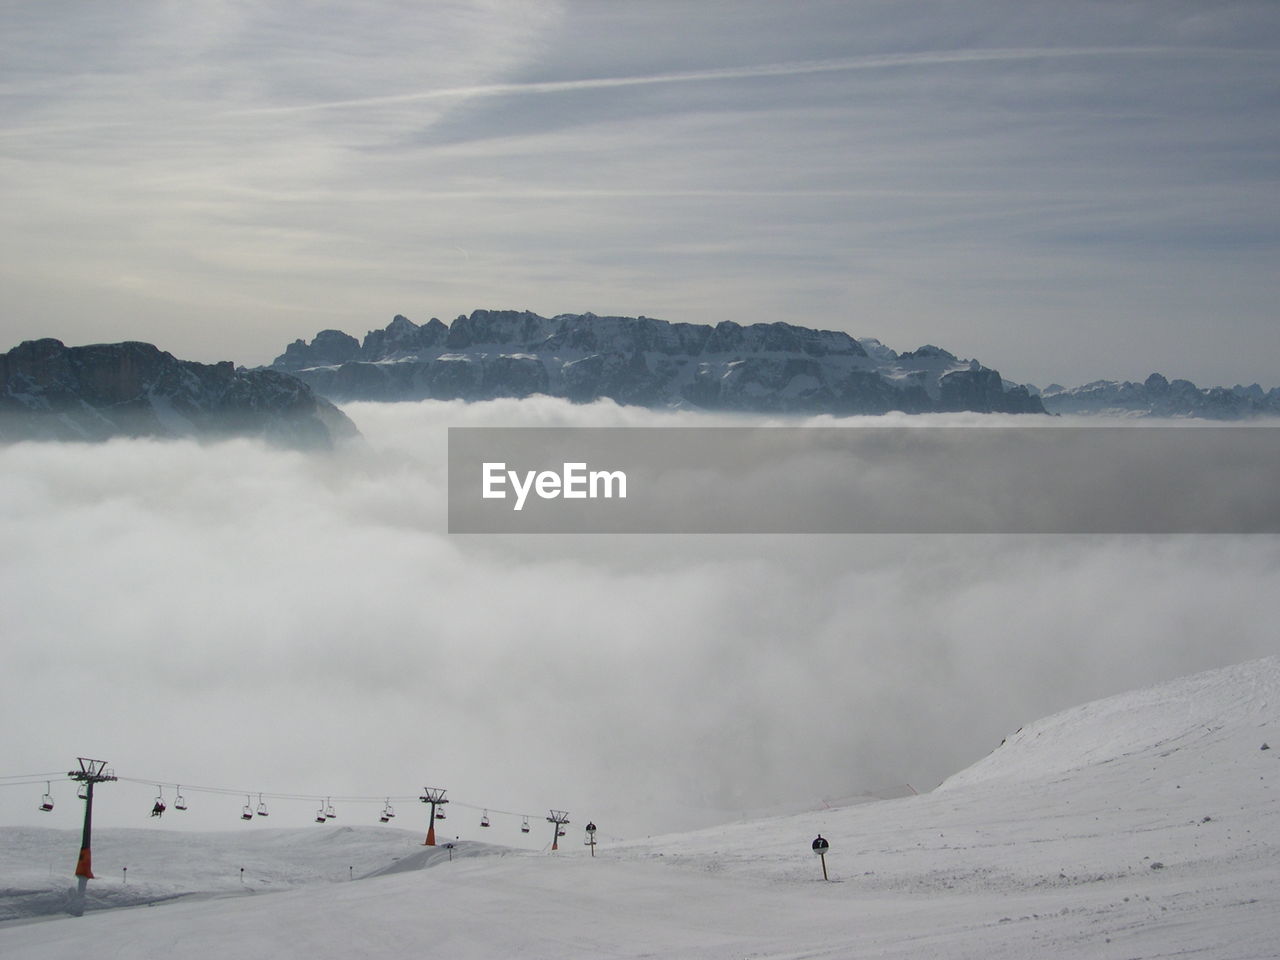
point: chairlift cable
(326, 802)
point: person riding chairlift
(157, 809)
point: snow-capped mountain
(55, 392)
(1159, 397)
(763, 367)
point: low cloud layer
(235, 616)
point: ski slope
(1143, 825)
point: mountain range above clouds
(757, 368)
(1159, 397)
(51, 391)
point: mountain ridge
(49, 391)
(760, 368)
(1160, 397)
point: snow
(1143, 825)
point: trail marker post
(820, 847)
(591, 838)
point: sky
(1063, 191)
(255, 620)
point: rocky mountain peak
(763, 367)
(51, 391)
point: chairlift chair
(387, 812)
(320, 818)
(46, 802)
(524, 825)
(439, 814)
(158, 808)
(178, 802)
(247, 812)
(484, 819)
(262, 807)
(329, 811)
(82, 791)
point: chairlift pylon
(46, 802)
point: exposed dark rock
(329, 346)
(763, 367)
(49, 391)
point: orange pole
(83, 862)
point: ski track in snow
(1144, 825)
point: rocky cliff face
(764, 367)
(51, 391)
(1159, 397)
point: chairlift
(178, 802)
(440, 813)
(524, 825)
(559, 833)
(46, 802)
(387, 812)
(246, 813)
(320, 817)
(484, 819)
(262, 807)
(82, 791)
(329, 812)
(158, 808)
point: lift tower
(90, 772)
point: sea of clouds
(237, 616)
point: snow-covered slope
(1218, 718)
(1143, 825)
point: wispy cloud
(798, 69)
(226, 189)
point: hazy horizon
(1065, 194)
